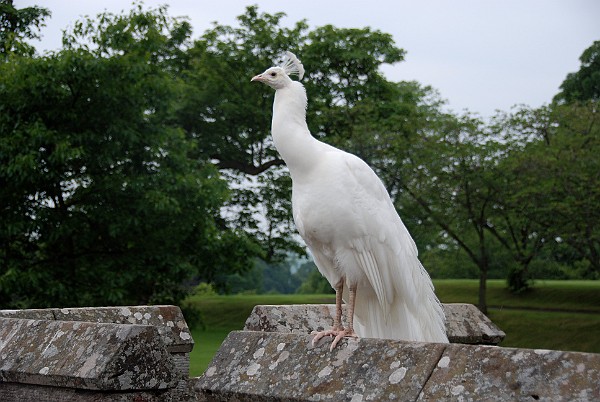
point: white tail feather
(401, 323)
(413, 313)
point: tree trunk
(482, 289)
(483, 263)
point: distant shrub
(204, 289)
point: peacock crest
(291, 65)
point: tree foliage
(556, 179)
(17, 26)
(101, 199)
(583, 85)
(135, 159)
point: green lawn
(563, 315)
(545, 295)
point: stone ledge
(508, 374)
(464, 322)
(84, 355)
(257, 366)
(168, 320)
(13, 392)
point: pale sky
(481, 55)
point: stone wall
(142, 354)
(258, 366)
(112, 353)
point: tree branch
(246, 167)
(443, 225)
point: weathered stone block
(464, 322)
(258, 366)
(298, 319)
(168, 320)
(255, 366)
(33, 314)
(13, 392)
(506, 374)
(96, 356)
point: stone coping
(464, 322)
(272, 366)
(168, 320)
(84, 355)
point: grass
(545, 295)
(207, 343)
(561, 315)
(549, 330)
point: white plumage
(346, 217)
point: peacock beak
(258, 77)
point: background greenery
(136, 163)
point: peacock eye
(273, 74)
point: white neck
(298, 148)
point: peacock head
(279, 76)
(275, 77)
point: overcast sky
(481, 55)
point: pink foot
(337, 334)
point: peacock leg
(350, 311)
(338, 331)
(339, 290)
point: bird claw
(337, 334)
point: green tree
(102, 198)
(576, 190)
(558, 180)
(17, 26)
(584, 84)
(513, 225)
(450, 176)
(570, 157)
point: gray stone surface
(294, 318)
(170, 334)
(84, 355)
(506, 374)
(13, 392)
(33, 314)
(464, 322)
(168, 320)
(258, 366)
